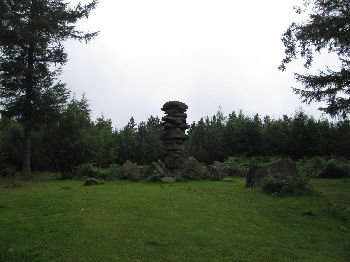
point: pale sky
(205, 53)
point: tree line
(75, 139)
(32, 55)
(296, 136)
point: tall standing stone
(174, 133)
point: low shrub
(311, 166)
(179, 177)
(323, 167)
(111, 173)
(236, 172)
(339, 211)
(8, 171)
(154, 177)
(335, 169)
(88, 170)
(146, 171)
(68, 175)
(240, 164)
(284, 185)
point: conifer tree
(327, 28)
(31, 56)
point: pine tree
(327, 28)
(31, 57)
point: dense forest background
(75, 139)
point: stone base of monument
(157, 168)
(193, 169)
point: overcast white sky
(206, 53)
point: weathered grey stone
(162, 165)
(215, 172)
(167, 179)
(308, 212)
(218, 170)
(91, 182)
(182, 115)
(285, 167)
(175, 147)
(250, 176)
(174, 136)
(193, 169)
(174, 120)
(174, 162)
(130, 171)
(158, 167)
(174, 105)
(223, 167)
(228, 179)
(172, 130)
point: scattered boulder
(308, 212)
(92, 181)
(250, 176)
(285, 167)
(193, 169)
(215, 173)
(219, 170)
(158, 168)
(228, 179)
(131, 171)
(142, 171)
(167, 179)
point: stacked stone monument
(174, 133)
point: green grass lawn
(55, 220)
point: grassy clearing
(52, 220)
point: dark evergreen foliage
(31, 56)
(142, 143)
(327, 28)
(297, 137)
(75, 139)
(11, 143)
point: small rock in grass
(151, 243)
(167, 179)
(92, 181)
(308, 213)
(227, 179)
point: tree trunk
(28, 105)
(26, 153)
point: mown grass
(55, 220)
